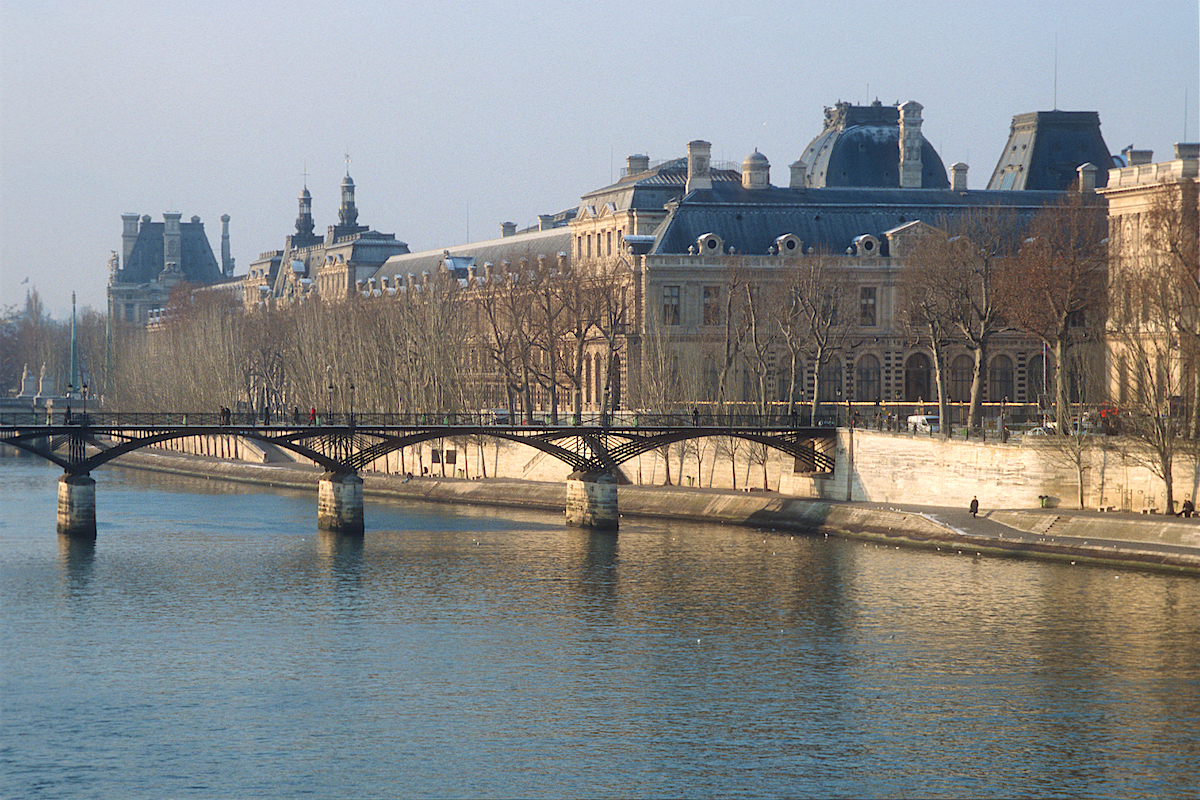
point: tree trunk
(978, 376)
(1062, 404)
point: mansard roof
(1045, 148)
(827, 220)
(146, 260)
(507, 248)
(654, 187)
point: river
(213, 644)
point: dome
(860, 148)
(347, 181)
(755, 158)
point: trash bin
(1044, 500)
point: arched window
(867, 385)
(1000, 379)
(1039, 377)
(961, 369)
(829, 383)
(785, 380)
(916, 378)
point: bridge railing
(621, 419)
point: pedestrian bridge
(344, 444)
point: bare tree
(1056, 287)
(817, 315)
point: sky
(457, 116)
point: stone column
(340, 503)
(77, 505)
(592, 501)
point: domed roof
(347, 181)
(860, 147)
(755, 158)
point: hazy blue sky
(460, 115)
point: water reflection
(77, 556)
(462, 653)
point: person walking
(1188, 508)
(974, 506)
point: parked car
(923, 423)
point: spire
(304, 222)
(348, 213)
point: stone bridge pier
(339, 503)
(592, 501)
(77, 506)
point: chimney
(1087, 177)
(226, 256)
(699, 166)
(1187, 151)
(508, 229)
(1136, 158)
(128, 236)
(799, 175)
(545, 222)
(172, 239)
(637, 164)
(910, 145)
(958, 177)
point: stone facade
(1153, 226)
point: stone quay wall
(871, 466)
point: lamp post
(329, 405)
(85, 393)
(350, 381)
(67, 415)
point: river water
(213, 644)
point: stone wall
(885, 467)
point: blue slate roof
(827, 220)
(146, 261)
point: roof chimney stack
(699, 166)
(910, 145)
(508, 229)
(799, 178)
(1087, 177)
(636, 164)
(958, 177)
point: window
(1000, 379)
(866, 307)
(961, 374)
(712, 305)
(916, 378)
(1039, 376)
(867, 385)
(670, 305)
(829, 381)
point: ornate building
(1154, 280)
(158, 256)
(333, 265)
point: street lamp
(350, 381)
(329, 405)
(85, 392)
(67, 415)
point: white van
(923, 423)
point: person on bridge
(974, 506)
(266, 416)
(67, 415)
